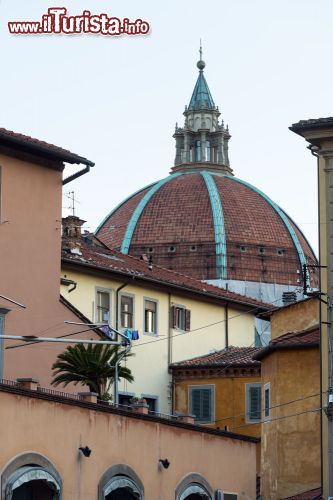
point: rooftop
(231, 357)
(41, 148)
(292, 340)
(94, 254)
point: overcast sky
(115, 100)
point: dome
(210, 225)
(204, 222)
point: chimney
(71, 233)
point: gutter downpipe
(226, 323)
(320, 323)
(172, 388)
(115, 388)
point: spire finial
(201, 64)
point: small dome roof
(210, 225)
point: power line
(270, 408)
(281, 418)
(166, 337)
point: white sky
(116, 100)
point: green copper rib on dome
(139, 209)
(282, 215)
(114, 210)
(219, 230)
(201, 97)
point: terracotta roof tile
(96, 254)
(233, 356)
(8, 136)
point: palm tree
(92, 366)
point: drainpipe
(115, 394)
(320, 325)
(226, 325)
(172, 389)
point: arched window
(30, 476)
(194, 487)
(120, 483)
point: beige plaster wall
(56, 431)
(290, 443)
(297, 317)
(154, 352)
(30, 266)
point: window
(103, 306)
(125, 399)
(150, 316)
(151, 402)
(126, 311)
(267, 401)
(253, 402)
(261, 250)
(202, 403)
(181, 318)
(197, 150)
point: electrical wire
(270, 408)
(165, 337)
(281, 418)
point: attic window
(193, 248)
(242, 248)
(150, 250)
(261, 250)
(172, 249)
(280, 251)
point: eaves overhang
(208, 296)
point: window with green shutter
(202, 403)
(253, 402)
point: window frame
(110, 292)
(186, 313)
(156, 302)
(267, 387)
(132, 297)
(155, 398)
(248, 386)
(212, 403)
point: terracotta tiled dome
(210, 225)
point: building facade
(174, 317)
(290, 380)
(83, 450)
(31, 176)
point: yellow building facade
(174, 316)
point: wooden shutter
(196, 403)
(187, 320)
(255, 402)
(173, 314)
(206, 402)
(201, 404)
